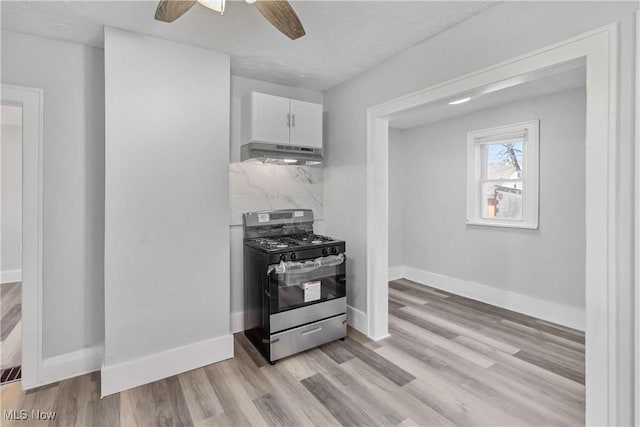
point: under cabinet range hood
(278, 154)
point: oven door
(297, 284)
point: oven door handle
(302, 267)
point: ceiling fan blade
(170, 10)
(282, 16)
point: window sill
(503, 224)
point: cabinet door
(269, 118)
(306, 124)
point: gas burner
(270, 243)
(276, 242)
(313, 239)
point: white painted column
(166, 209)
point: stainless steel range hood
(278, 154)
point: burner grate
(291, 241)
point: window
(502, 176)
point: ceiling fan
(278, 12)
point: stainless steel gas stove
(294, 283)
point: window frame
(476, 168)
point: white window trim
(530, 175)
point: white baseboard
(10, 276)
(126, 375)
(68, 365)
(357, 320)
(237, 322)
(561, 314)
(396, 272)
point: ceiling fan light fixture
(278, 12)
(217, 5)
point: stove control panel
(306, 254)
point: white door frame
(599, 48)
(32, 102)
(636, 375)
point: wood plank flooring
(10, 325)
(449, 361)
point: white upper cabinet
(278, 120)
(306, 124)
(270, 118)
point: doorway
(24, 302)
(599, 51)
(11, 243)
(495, 297)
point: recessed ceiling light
(460, 101)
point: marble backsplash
(255, 187)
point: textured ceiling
(344, 38)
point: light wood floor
(449, 361)
(10, 325)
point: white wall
(166, 209)
(11, 159)
(502, 32)
(72, 77)
(547, 263)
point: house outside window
(502, 176)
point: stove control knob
(325, 251)
(283, 257)
(293, 257)
(334, 250)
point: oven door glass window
(295, 284)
